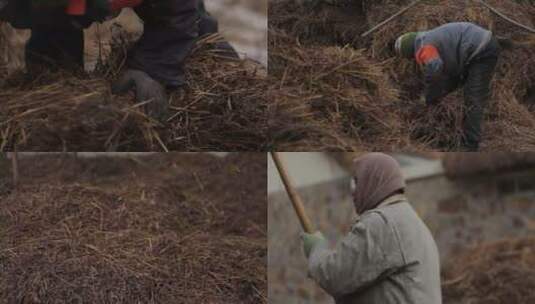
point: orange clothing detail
(426, 54)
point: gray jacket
(388, 257)
(458, 44)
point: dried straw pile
(459, 165)
(166, 229)
(221, 108)
(325, 24)
(500, 272)
(330, 98)
(510, 122)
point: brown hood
(378, 176)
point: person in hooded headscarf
(389, 256)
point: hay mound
(324, 24)
(510, 123)
(510, 120)
(336, 96)
(499, 272)
(136, 232)
(222, 107)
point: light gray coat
(389, 256)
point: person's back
(418, 280)
(458, 43)
(389, 256)
(459, 54)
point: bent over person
(453, 55)
(389, 256)
(171, 28)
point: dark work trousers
(477, 80)
(58, 47)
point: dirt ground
(173, 228)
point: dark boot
(477, 93)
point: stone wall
(464, 212)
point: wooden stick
(378, 26)
(492, 9)
(15, 166)
(294, 196)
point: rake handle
(294, 196)
(495, 11)
(378, 26)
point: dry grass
(222, 107)
(331, 91)
(297, 34)
(160, 229)
(499, 272)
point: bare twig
(378, 26)
(495, 11)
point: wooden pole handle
(294, 196)
(380, 25)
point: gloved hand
(311, 240)
(146, 89)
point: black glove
(146, 89)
